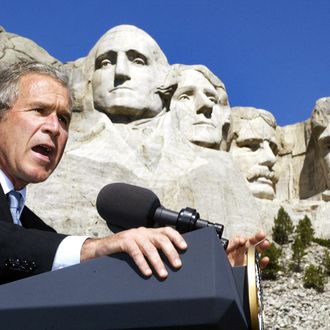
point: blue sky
(273, 55)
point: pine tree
(283, 227)
(326, 262)
(298, 249)
(305, 231)
(314, 277)
(273, 267)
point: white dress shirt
(68, 252)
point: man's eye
(183, 97)
(39, 110)
(105, 62)
(65, 120)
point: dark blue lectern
(110, 293)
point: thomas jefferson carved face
(128, 68)
(199, 109)
(254, 148)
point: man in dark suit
(35, 113)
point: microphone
(124, 206)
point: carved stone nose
(267, 156)
(203, 105)
(122, 69)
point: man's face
(195, 105)
(125, 76)
(33, 133)
(254, 150)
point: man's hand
(238, 246)
(141, 244)
(262, 244)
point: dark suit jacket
(27, 250)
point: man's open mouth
(43, 149)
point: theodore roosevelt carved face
(200, 107)
(253, 147)
(129, 66)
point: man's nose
(122, 70)
(266, 155)
(203, 105)
(51, 125)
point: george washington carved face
(129, 66)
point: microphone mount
(188, 219)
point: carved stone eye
(105, 62)
(139, 61)
(253, 145)
(136, 58)
(183, 97)
(212, 98)
(274, 148)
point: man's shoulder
(30, 220)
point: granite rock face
(15, 48)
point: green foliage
(305, 231)
(314, 277)
(298, 249)
(326, 262)
(283, 227)
(322, 242)
(273, 267)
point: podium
(110, 293)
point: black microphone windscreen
(127, 206)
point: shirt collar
(8, 186)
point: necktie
(15, 203)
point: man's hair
(10, 78)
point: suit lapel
(28, 218)
(5, 214)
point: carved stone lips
(265, 181)
(118, 88)
(204, 123)
(261, 174)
